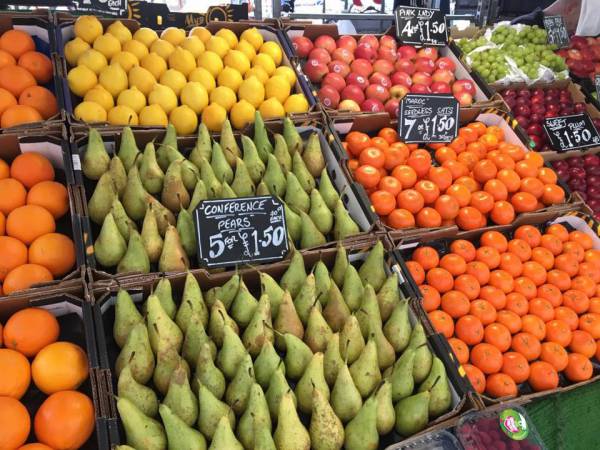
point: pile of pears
(159, 188)
(325, 360)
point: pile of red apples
(373, 74)
(583, 56)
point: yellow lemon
(211, 62)
(87, 28)
(125, 59)
(224, 96)
(142, 79)
(271, 109)
(230, 78)
(218, 45)
(154, 64)
(259, 73)
(163, 48)
(164, 97)
(202, 33)
(253, 36)
(135, 47)
(247, 49)
(296, 103)
(265, 61)
(184, 119)
(81, 79)
(253, 91)
(122, 115)
(273, 50)
(153, 115)
(108, 45)
(195, 96)
(194, 45)
(93, 60)
(74, 49)
(287, 73)
(145, 36)
(100, 96)
(114, 79)
(182, 60)
(229, 36)
(90, 112)
(203, 76)
(120, 31)
(213, 116)
(237, 60)
(242, 113)
(278, 87)
(174, 79)
(133, 98)
(174, 35)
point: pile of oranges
(518, 310)
(22, 72)
(65, 420)
(476, 177)
(30, 203)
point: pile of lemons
(144, 79)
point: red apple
(440, 87)
(422, 78)
(392, 107)
(329, 96)
(464, 98)
(369, 39)
(574, 54)
(388, 41)
(428, 52)
(302, 45)
(523, 121)
(353, 92)
(401, 78)
(424, 65)
(383, 66)
(463, 85)
(362, 67)
(358, 80)
(349, 105)
(366, 51)
(443, 75)
(405, 65)
(315, 70)
(536, 129)
(380, 79)
(339, 67)
(445, 63)
(399, 91)
(387, 53)
(407, 51)
(377, 91)
(320, 54)
(342, 54)
(335, 80)
(420, 89)
(326, 42)
(347, 42)
(372, 105)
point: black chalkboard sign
(240, 230)
(428, 118)
(421, 26)
(571, 132)
(106, 7)
(557, 31)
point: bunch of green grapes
(533, 35)
(490, 64)
(505, 35)
(467, 45)
(528, 58)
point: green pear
(167, 360)
(135, 195)
(164, 292)
(372, 269)
(187, 232)
(262, 189)
(191, 301)
(195, 337)
(281, 153)
(227, 191)
(385, 352)
(128, 150)
(290, 433)
(339, 266)
(270, 287)
(365, 370)
(173, 257)
(437, 384)
(179, 434)
(332, 359)
(180, 398)
(260, 328)
(231, 354)
(310, 234)
(174, 194)
(207, 374)
(189, 174)
(151, 238)
(361, 432)
(137, 354)
(135, 258)
(327, 190)
(229, 144)
(118, 174)
(219, 319)
(297, 356)
(312, 378)
(203, 148)
(318, 333)
(238, 390)
(346, 400)
(412, 413)
(322, 281)
(141, 396)
(151, 174)
(266, 364)
(295, 196)
(225, 293)
(164, 217)
(169, 141)
(261, 138)
(292, 137)
(369, 311)
(388, 296)
(242, 184)
(336, 312)
(161, 326)
(210, 412)
(256, 168)
(423, 356)
(278, 387)
(287, 321)
(243, 307)
(102, 199)
(299, 169)
(353, 289)
(306, 299)
(274, 177)
(198, 195)
(293, 223)
(326, 429)
(95, 159)
(397, 329)
(295, 275)
(127, 316)
(344, 226)
(351, 340)
(122, 219)
(141, 431)
(263, 440)
(402, 380)
(320, 213)
(313, 156)
(386, 416)
(208, 177)
(219, 164)
(109, 247)
(224, 437)
(256, 415)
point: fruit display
(514, 53)
(478, 178)
(44, 386)
(329, 355)
(582, 56)
(144, 201)
(25, 76)
(141, 78)
(582, 174)
(32, 204)
(521, 310)
(374, 73)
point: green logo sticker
(513, 424)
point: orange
(25, 276)
(12, 195)
(527, 345)
(490, 141)
(461, 193)
(469, 329)
(502, 280)
(420, 161)
(30, 330)
(50, 195)
(553, 194)
(18, 115)
(576, 300)
(410, 200)
(558, 331)
(479, 127)
(441, 176)
(488, 256)
(590, 322)
(534, 325)
(15, 423)
(582, 238)
(484, 170)
(13, 253)
(510, 320)
(497, 335)
(542, 308)
(487, 358)
(65, 420)
(29, 222)
(383, 202)
(510, 179)
(54, 251)
(391, 185)
(576, 248)
(431, 297)
(543, 257)
(6, 59)
(470, 218)
(468, 285)
(16, 42)
(500, 385)
(502, 213)
(444, 154)
(494, 239)
(532, 186)
(483, 201)
(529, 234)
(469, 183)
(406, 175)
(543, 376)
(389, 134)
(558, 230)
(584, 284)
(515, 366)
(526, 169)
(568, 263)
(554, 354)
(427, 256)
(460, 349)
(579, 368)
(496, 189)
(428, 218)
(4, 168)
(559, 278)
(463, 248)
(357, 142)
(31, 168)
(583, 342)
(454, 264)
(568, 316)
(15, 79)
(416, 271)
(38, 64)
(476, 377)
(401, 218)
(7, 99)
(455, 303)
(456, 168)
(442, 322)
(525, 286)
(440, 279)
(524, 202)
(480, 271)
(15, 373)
(511, 263)
(59, 366)
(547, 175)
(517, 303)
(41, 99)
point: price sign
(421, 26)
(428, 118)
(557, 31)
(107, 7)
(240, 230)
(571, 132)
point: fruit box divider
(103, 310)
